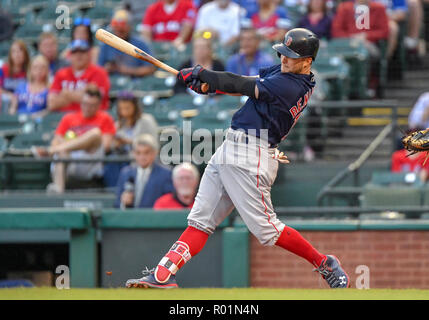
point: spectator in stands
(81, 30)
(137, 9)
(14, 71)
(32, 95)
(48, 47)
(415, 22)
(169, 20)
(317, 19)
(397, 13)
(202, 54)
(369, 31)
(185, 181)
(222, 17)
(250, 58)
(402, 162)
(344, 23)
(419, 116)
(117, 62)
(68, 86)
(87, 133)
(131, 123)
(247, 5)
(270, 20)
(142, 183)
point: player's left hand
(280, 156)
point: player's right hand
(280, 156)
(197, 86)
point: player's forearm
(227, 82)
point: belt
(245, 138)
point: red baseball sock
(196, 239)
(189, 244)
(291, 240)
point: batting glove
(188, 75)
(197, 86)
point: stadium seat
(8, 122)
(212, 120)
(357, 56)
(389, 178)
(26, 176)
(4, 49)
(336, 71)
(99, 14)
(227, 102)
(164, 114)
(179, 102)
(425, 195)
(26, 141)
(373, 195)
(119, 82)
(48, 14)
(150, 83)
(161, 49)
(29, 32)
(50, 121)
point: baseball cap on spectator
(79, 45)
(120, 19)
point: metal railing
(353, 168)
(328, 125)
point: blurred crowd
(76, 81)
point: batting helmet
(298, 43)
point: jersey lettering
(296, 110)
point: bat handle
(205, 87)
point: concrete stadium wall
(396, 259)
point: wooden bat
(126, 47)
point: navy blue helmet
(298, 43)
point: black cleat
(149, 281)
(333, 273)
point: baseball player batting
(244, 167)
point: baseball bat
(127, 48)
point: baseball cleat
(333, 273)
(149, 281)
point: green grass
(212, 294)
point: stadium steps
(361, 130)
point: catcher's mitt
(417, 141)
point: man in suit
(142, 183)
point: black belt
(244, 138)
